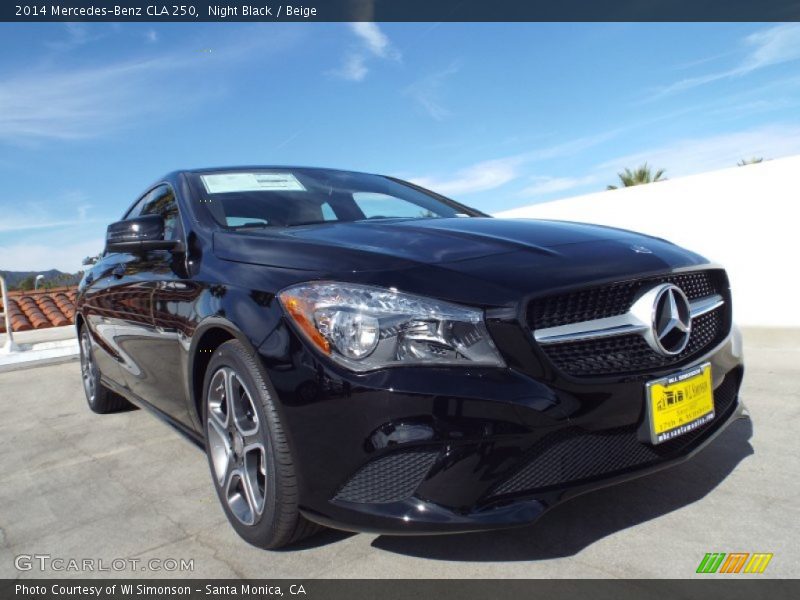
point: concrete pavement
(78, 485)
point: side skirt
(190, 434)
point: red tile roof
(38, 310)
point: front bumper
(418, 517)
(452, 450)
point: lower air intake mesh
(571, 455)
(387, 479)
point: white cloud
(543, 185)
(151, 35)
(71, 208)
(77, 34)
(17, 225)
(571, 147)
(34, 239)
(683, 157)
(479, 177)
(774, 45)
(700, 61)
(38, 235)
(41, 257)
(52, 102)
(697, 155)
(55, 104)
(353, 68)
(372, 44)
(491, 174)
(375, 40)
(427, 92)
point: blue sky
(494, 115)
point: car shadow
(318, 540)
(570, 527)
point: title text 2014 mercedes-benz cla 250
(355, 351)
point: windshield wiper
(310, 223)
(251, 226)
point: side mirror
(141, 234)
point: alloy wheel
(87, 367)
(236, 445)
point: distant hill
(52, 278)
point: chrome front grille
(603, 330)
(615, 298)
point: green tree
(62, 279)
(27, 283)
(750, 161)
(638, 176)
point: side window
(327, 212)
(375, 205)
(161, 201)
(136, 210)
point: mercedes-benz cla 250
(355, 351)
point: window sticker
(225, 183)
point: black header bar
(713, 588)
(400, 10)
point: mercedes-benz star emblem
(672, 321)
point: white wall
(745, 218)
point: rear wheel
(249, 457)
(100, 398)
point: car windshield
(291, 197)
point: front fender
(248, 328)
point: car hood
(514, 254)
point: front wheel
(249, 457)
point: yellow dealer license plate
(680, 403)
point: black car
(358, 352)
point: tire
(248, 454)
(100, 399)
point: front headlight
(366, 328)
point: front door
(157, 373)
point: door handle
(119, 271)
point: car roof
(253, 167)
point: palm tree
(750, 161)
(638, 176)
